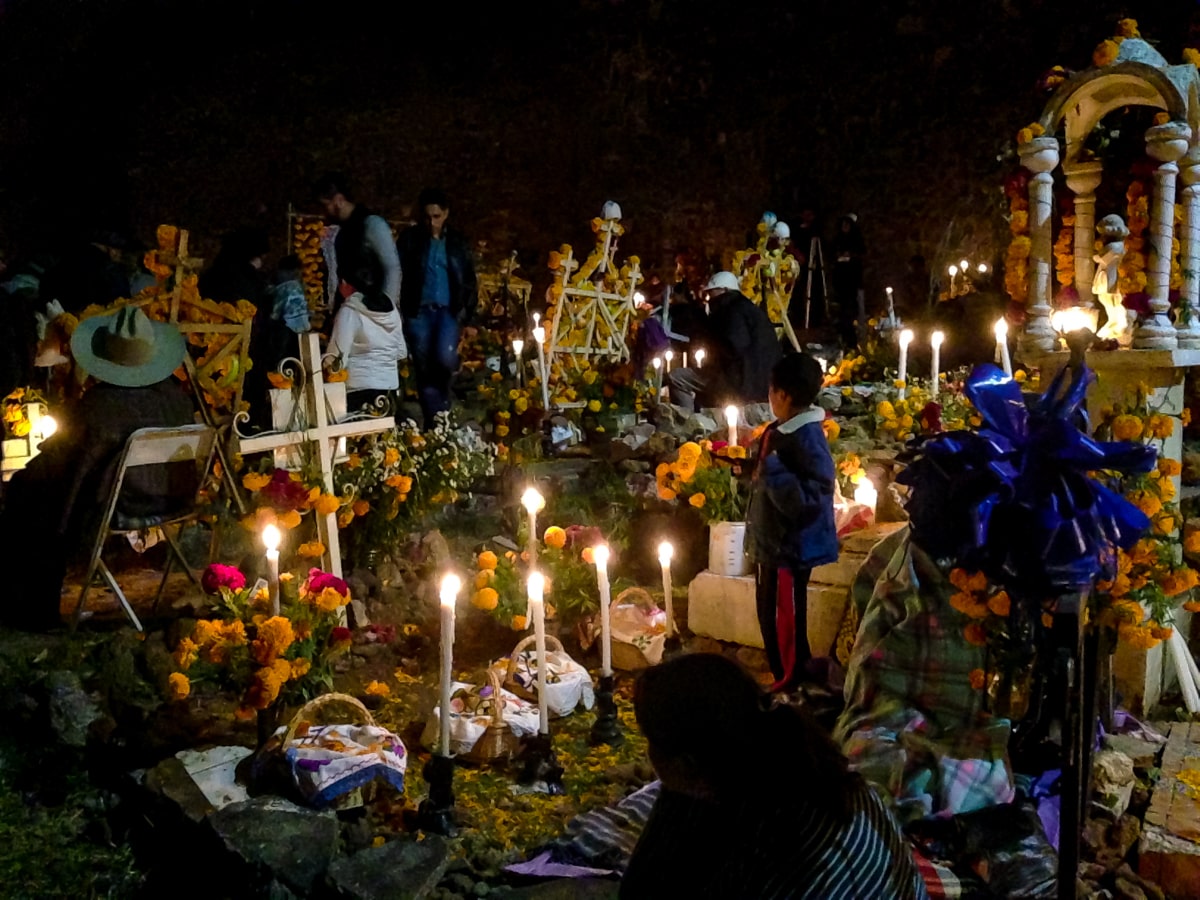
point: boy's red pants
(782, 600)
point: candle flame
(518, 346)
(665, 552)
(271, 537)
(539, 335)
(982, 268)
(1001, 329)
(451, 585)
(699, 357)
(731, 416)
(537, 584)
(47, 425)
(532, 500)
(656, 362)
(963, 265)
(866, 494)
(906, 337)
(936, 338)
(670, 355)
(953, 270)
(600, 555)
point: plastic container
(727, 548)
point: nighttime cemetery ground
(403, 658)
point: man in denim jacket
(790, 524)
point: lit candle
(821, 362)
(953, 270)
(600, 558)
(665, 552)
(700, 358)
(518, 346)
(866, 494)
(534, 503)
(536, 318)
(963, 266)
(906, 337)
(539, 335)
(270, 539)
(668, 356)
(1002, 346)
(451, 585)
(983, 268)
(731, 419)
(657, 363)
(537, 610)
(891, 308)
(935, 343)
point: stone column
(1083, 178)
(1188, 325)
(1166, 144)
(1039, 156)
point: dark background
(695, 117)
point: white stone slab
(214, 770)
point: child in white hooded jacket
(368, 341)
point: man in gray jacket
(361, 233)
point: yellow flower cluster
(306, 244)
(1029, 132)
(1132, 267)
(669, 477)
(1064, 252)
(1016, 261)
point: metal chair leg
(121, 598)
(177, 551)
(162, 585)
(88, 578)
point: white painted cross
(325, 434)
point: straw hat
(127, 349)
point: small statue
(1119, 326)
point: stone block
(723, 607)
(1169, 851)
(278, 840)
(1142, 754)
(215, 773)
(403, 869)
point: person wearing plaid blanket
(756, 801)
(790, 523)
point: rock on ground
(279, 839)
(72, 710)
(399, 870)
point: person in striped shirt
(757, 801)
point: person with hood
(367, 339)
(740, 347)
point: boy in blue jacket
(790, 526)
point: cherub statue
(1119, 326)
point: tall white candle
(906, 337)
(665, 552)
(534, 503)
(539, 335)
(270, 539)
(731, 420)
(669, 356)
(518, 346)
(1002, 346)
(891, 308)
(935, 344)
(600, 558)
(657, 363)
(451, 585)
(700, 358)
(953, 271)
(537, 609)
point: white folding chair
(150, 447)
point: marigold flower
(588, 556)
(483, 578)
(186, 653)
(555, 537)
(666, 494)
(977, 679)
(697, 500)
(975, 634)
(179, 686)
(829, 426)
(300, 667)
(690, 450)
(485, 598)
(1191, 541)
(279, 382)
(486, 560)
(234, 632)
(1127, 427)
(519, 623)
(274, 636)
(1147, 502)
(205, 632)
(361, 507)
(886, 410)
(311, 549)
(1000, 604)
(1105, 53)
(1047, 620)
(1160, 426)
(1169, 467)
(739, 452)
(1128, 28)
(255, 481)
(377, 689)
(289, 519)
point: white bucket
(727, 548)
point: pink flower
(217, 576)
(283, 493)
(318, 581)
(339, 635)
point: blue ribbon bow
(1014, 499)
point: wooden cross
(584, 306)
(325, 434)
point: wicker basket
(303, 719)
(626, 656)
(498, 742)
(510, 675)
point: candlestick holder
(436, 812)
(607, 727)
(541, 764)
